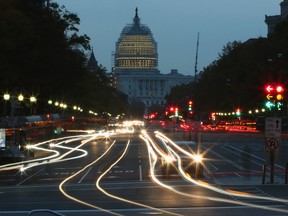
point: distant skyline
(175, 25)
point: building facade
(136, 66)
(272, 21)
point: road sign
(2, 138)
(273, 127)
(272, 144)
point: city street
(115, 178)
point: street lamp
(18, 102)
(6, 97)
(20, 97)
(33, 99)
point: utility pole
(196, 58)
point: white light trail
(61, 185)
(55, 156)
(122, 199)
(170, 144)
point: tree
(36, 49)
(237, 77)
(42, 53)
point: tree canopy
(41, 52)
(237, 78)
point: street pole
(272, 161)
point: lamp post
(21, 99)
(6, 97)
(33, 100)
(18, 100)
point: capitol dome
(136, 47)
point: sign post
(273, 131)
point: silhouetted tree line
(237, 78)
(42, 53)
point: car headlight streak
(61, 186)
(197, 158)
(169, 153)
(50, 147)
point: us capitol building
(136, 66)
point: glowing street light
(33, 99)
(20, 97)
(6, 96)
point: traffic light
(274, 96)
(269, 88)
(269, 104)
(190, 105)
(279, 92)
(213, 116)
(238, 112)
(176, 112)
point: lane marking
(140, 173)
(254, 156)
(237, 174)
(227, 160)
(84, 175)
(29, 177)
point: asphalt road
(115, 179)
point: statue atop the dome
(136, 18)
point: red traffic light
(279, 89)
(269, 88)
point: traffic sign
(272, 144)
(2, 138)
(273, 127)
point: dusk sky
(175, 25)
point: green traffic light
(269, 104)
(279, 105)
